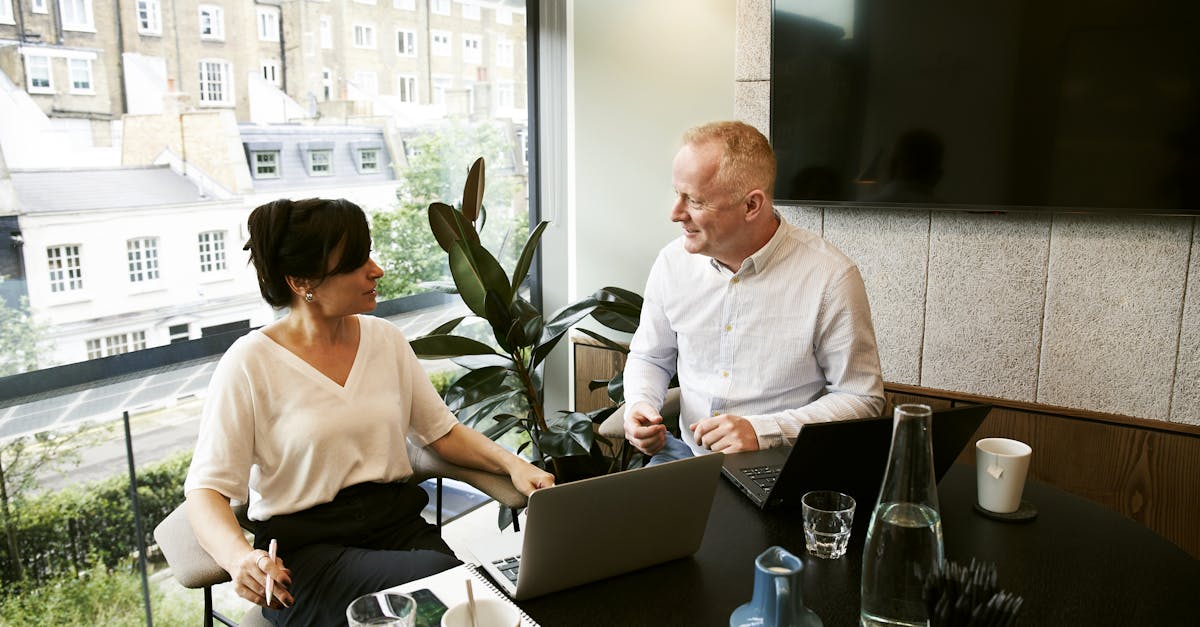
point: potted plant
(502, 388)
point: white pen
(270, 580)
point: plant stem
(533, 396)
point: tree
(19, 336)
(438, 164)
(26, 457)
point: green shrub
(97, 596)
(65, 532)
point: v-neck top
(277, 426)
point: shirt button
(716, 413)
(725, 374)
(734, 280)
(729, 327)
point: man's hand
(644, 428)
(725, 433)
(526, 478)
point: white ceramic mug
(1000, 468)
(488, 613)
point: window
(270, 71)
(471, 52)
(268, 24)
(77, 15)
(326, 32)
(265, 164)
(215, 85)
(440, 7)
(441, 43)
(39, 6)
(81, 75)
(368, 82)
(66, 269)
(212, 251)
(327, 83)
(440, 85)
(149, 15)
(523, 145)
(6, 12)
(406, 88)
(364, 36)
(142, 253)
(179, 333)
(470, 11)
(118, 344)
(38, 69)
(406, 43)
(212, 22)
(504, 52)
(407, 5)
(368, 160)
(504, 94)
(503, 15)
(320, 162)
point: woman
(311, 413)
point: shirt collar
(758, 261)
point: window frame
(505, 52)
(436, 7)
(401, 35)
(325, 32)
(205, 89)
(255, 165)
(213, 260)
(472, 55)
(360, 32)
(149, 17)
(31, 76)
(406, 88)
(270, 66)
(474, 13)
(311, 165)
(69, 270)
(216, 17)
(85, 23)
(41, 7)
(268, 22)
(73, 87)
(360, 160)
(405, 5)
(142, 251)
(441, 48)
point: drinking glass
(828, 518)
(382, 609)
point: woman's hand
(526, 478)
(250, 579)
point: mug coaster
(1025, 512)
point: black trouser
(369, 537)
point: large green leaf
(619, 309)
(612, 294)
(473, 191)
(554, 331)
(471, 414)
(600, 415)
(447, 346)
(606, 343)
(521, 270)
(527, 323)
(447, 326)
(616, 388)
(444, 226)
(567, 435)
(504, 423)
(476, 271)
(500, 319)
(476, 385)
(475, 362)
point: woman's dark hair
(296, 239)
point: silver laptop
(588, 530)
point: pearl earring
(308, 296)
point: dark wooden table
(1076, 564)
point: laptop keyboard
(763, 476)
(508, 567)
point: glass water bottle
(904, 540)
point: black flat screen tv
(1050, 105)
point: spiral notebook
(450, 587)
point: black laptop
(849, 456)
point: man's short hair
(747, 161)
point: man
(766, 324)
